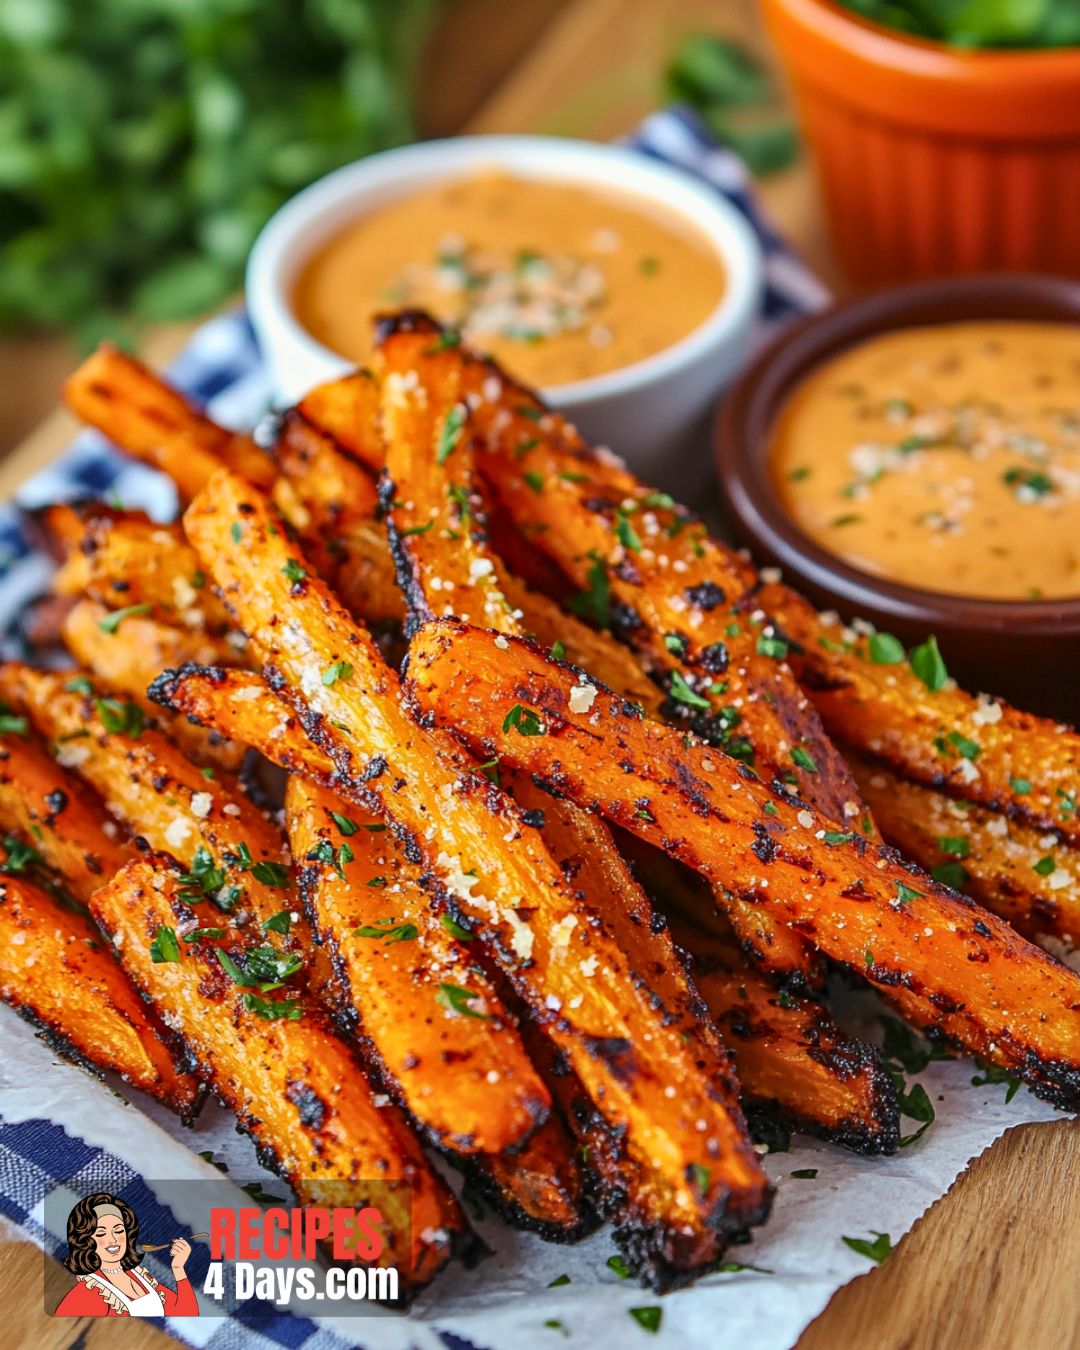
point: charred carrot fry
(275, 1060)
(150, 420)
(1026, 876)
(57, 971)
(60, 818)
(467, 1079)
(955, 966)
(348, 702)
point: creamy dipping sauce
(945, 457)
(559, 282)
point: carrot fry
(65, 822)
(394, 956)
(56, 970)
(458, 823)
(150, 420)
(129, 657)
(978, 749)
(1022, 874)
(275, 1060)
(955, 967)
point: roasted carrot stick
(955, 966)
(57, 971)
(153, 422)
(275, 1060)
(458, 823)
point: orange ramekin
(933, 159)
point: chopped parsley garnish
(675, 643)
(885, 650)
(325, 852)
(834, 838)
(197, 934)
(952, 874)
(534, 479)
(877, 1250)
(345, 825)
(337, 670)
(805, 1173)
(293, 571)
(273, 1010)
(595, 601)
(79, 685)
(804, 759)
(12, 725)
(111, 622)
(376, 882)
(1030, 482)
(626, 534)
(926, 663)
(523, 720)
(164, 946)
(1021, 786)
(619, 1266)
(956, 845)
(558, 651)
(263, 966)
(281, 922)
(271, 873)
(120, 719)
(733, 1267)
(20, 856)
(417, 529)
(457, 1000)
(775, 647)
(799, 474)
(449, 337)
(389, 931)
(917, 1105)
(905, 894)
(1046, 865)
(701, 1176)
(236, 530)
(969, 749)
(558, 1281)
(450, 433)
(203, 878)
(994, 1073)
(455, 929)
(849, 518)
(648, 1319)
(681, 692)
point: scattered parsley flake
(111, 622)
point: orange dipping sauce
(945, 457)
(558, 281)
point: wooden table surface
(993, 1265)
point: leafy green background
(980, 23)
(144, 142)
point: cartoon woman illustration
(104, 1255)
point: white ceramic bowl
(654, 413)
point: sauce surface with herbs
(560, 282)
(945, 457)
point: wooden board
(992, 1265)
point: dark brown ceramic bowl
(1027, 651)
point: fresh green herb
(455, 929)
(675, 644)
(804, 759)
(553, 1324)
(450, 433)
(619, 1266)
(956, 845)
(264, 967)
(1020, 786)
(524, 721)
(1028, 481)
(457, 1000)
(849, 518)
(293, 571)
(111, 622)
(594, 602)
(734, 1267)
(558, 651)
(993, 1073)
(197, 934)
(805, 1173)
(203, 879)
(389, 932)
(1045, 865)
(13, 725)
(835, 838)
(236, 531)
(681, 692)
(534, 479)
(877, 1250)
(952, 874)
(927, 665)
(799, 474)
(661, 500)
(337, 670)
(730, 91)
(207, 772)
(569, 476)
(120, 719)
(969, 749)
(164, 946)
(885, 650)
(648, 1319)
(905, 894)
(626, 534)
(325, 852)
(281, 922)
(271, 873)
(417, 529)
(701, 1177)
(449, 337)
(345, 825)
(273, 1010)
(916, 1104)
(775, 647)
(558, 1281)
(79, 685)
(376, 882)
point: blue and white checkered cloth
(221, 367)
